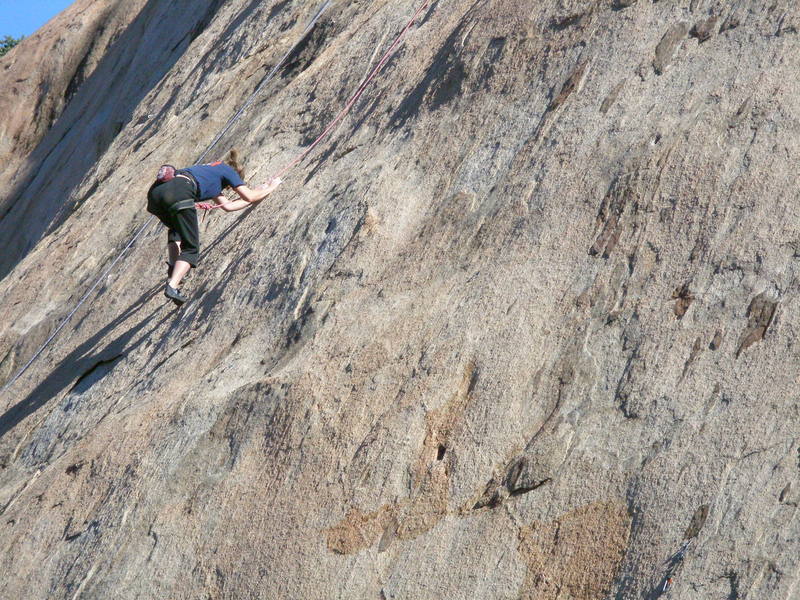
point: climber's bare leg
(179, 271)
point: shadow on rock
(68, 141)
(223, 235)
(79, 364)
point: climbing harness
(297, 160)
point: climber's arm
(252, 196)
(230, 206)
(248, 196)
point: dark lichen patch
(308, 50)
(573, 82)
(683, 300)
(698, 520)
(494, 54)
(609, 100)
(74, 469)
(716, 341)
(277, 9)
(450, 86)
(733, 581)
(561, 23)
(703, 30)
(760, 315)
(665, 51)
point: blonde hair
(233, 161)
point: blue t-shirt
(212, 178)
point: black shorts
(173, 203)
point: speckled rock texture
(40, 80)
(526, 326)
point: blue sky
(23, 17)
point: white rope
(268, 78)
(142, 229)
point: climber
(172, 199)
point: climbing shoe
(174, 295)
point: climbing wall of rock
(523, 327)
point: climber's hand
(270, 186)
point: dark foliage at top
(7, 43)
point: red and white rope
(350, 103)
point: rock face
(513, 332)
(39, 78)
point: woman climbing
(172, 199)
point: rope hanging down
(350, 103)
(266, 80)
(297, 160)
(147, 223)
(384, 59)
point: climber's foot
(174, 295)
